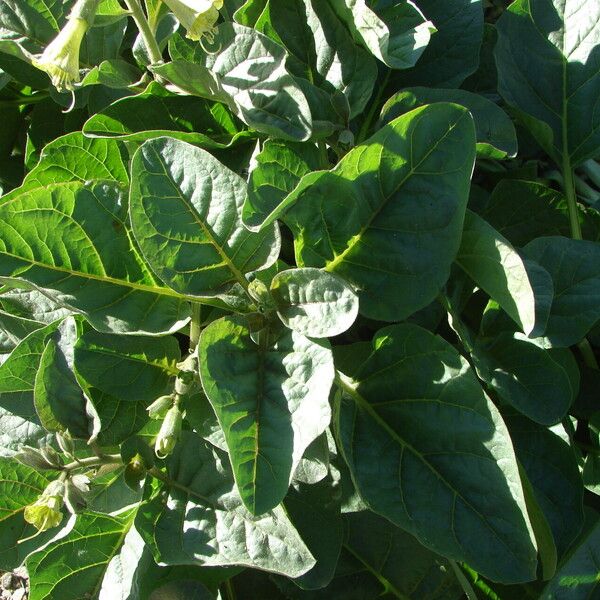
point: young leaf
(72, 241)
(314, 303)
(196, 517)
(495, 132)
(388, 218)
(547, 57)
(429, 451)
(271, 401)
(185, 209)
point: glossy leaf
(547, 56)
(572, 265)
(196, 517)
(314, 303)
(185, 211)
(72, 241)
(388, 218)
(495, 132)
(271, 400)
(73, 566)
(416, 410)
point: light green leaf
(185, 209)
(196, 517)
(540, 383)
(573, 266)
(397, 34)
(271, 400)
(497, 268)
(388, 218)
(31, 305)
(156, 112)
(406, 568)
(453, 51)
(72, 567)
(249, 75)
(495, 132)
(578, 576)
(13, 330)
(280, 166)
(122, 376)
(19, 486)
(429, 451)
(552, 469)
(313, 302)
(548, 69)
(72, 241)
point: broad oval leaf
(72, 242)
(429, 451)
(272, 401)
(497, 268)
(388, 218)
(547, 57)
(313, 302)
(496, 135)
(573, 266)
(196, 517)
(185, 209)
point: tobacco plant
(299, 299)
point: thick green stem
(195, 326)
(569, 188)
(137, 12)
(93, 461)
(366, 126)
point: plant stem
(587, 353)
(366, 126)
(195, 325)
(93, 461)
(141, 21)
(569, 188)
(323, 154)
(464, 582)
(456, 324)
(230, 592)
(25, 100)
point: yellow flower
(45, 512)
(60, 59)
(197, 16)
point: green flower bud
(45, 458)
(260, 292)
(169, 432)
(45, 513)
(197, 16)
(158, 409)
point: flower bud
(46, 458)
(45, 513)
(75, 489)
(169, 432)
(197, 16)
(260, 292)
(158, 409)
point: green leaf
(271, 401)
(19, 486)
(396, 33)
(314, 303)
(552, 469)
(577, 577)
(113, 73)
(540, 383)
(122, 376)
(389, 216)
(524, 210)
(429, 451)
(59, 401)
(249, 75)
(13, 330)
(547, 57)
(573, 266)
(406, 568)
(87, 549)
(185, 209)
(72, 241)
(497, 268)
(453, 52)
(495, 132)
(156, 112)
(31, 305)
(196, 517)
(280, 166)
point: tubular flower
(197, 16)
(169, 433)
(45, 512)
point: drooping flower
(198, 17)
(45, 513)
